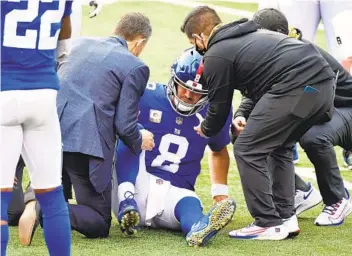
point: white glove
(96, 7)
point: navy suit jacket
(101, 83)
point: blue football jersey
(178, 149)
(29, 35)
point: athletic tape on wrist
(219, 190)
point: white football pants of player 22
(29, 125)
(305, 15)
(156, 198)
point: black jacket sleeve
(245, 108)
(218, 73)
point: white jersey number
(29, 40)
(165, 155)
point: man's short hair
(201, 19)
(132, 25)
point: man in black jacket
(292, 87)
(320, 140)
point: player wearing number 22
(29, 124)
(156, 188)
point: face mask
(199, 50)
(181, 106)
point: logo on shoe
(306, 195)
(198, 226)
(277, 230)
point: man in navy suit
(101, 82)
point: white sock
(123, 188)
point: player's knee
(99, 230)
(313, 141)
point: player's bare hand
(198, 128)
(147, 140)
(239, 123)
(219, 198)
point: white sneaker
(335, 214)
(306, 200)
(260, 233)
(292, 226)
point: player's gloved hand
(295, 33)
(96, 8)
(147, 140)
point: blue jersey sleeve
(68, 8)
(222, 139)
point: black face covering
(200, 51)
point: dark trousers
(17, 205)
(91, 216)
(263, 151)
(319, 143)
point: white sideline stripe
(301, 171)
(309, 173)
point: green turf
(166, 43)
(251, 7)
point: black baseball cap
(271, 19)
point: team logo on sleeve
(179, 120)
(155, 116)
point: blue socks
(127, 164)
(188, 211)
(56, 222)
(5, 198)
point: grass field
(166, 43)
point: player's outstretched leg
(5, 199)
(210, 224)
(56, 221)
(128, 216)
(126, 175)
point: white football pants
(76, 19)
(29, 126)
(305, 15)
(156, 198)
